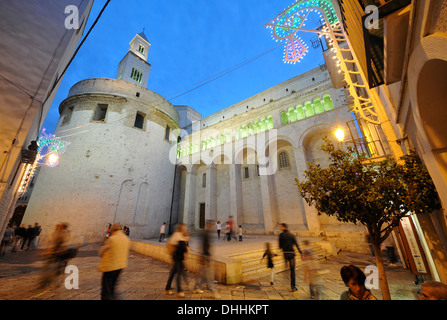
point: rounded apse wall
(116, 168)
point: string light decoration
(48, 154)
(50, 149)
(292, 20)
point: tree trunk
(383, 282)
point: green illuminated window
(328, 105)
(284, 118)
(137, 75)
(318, 106)
(309, 109)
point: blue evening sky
(191, 41)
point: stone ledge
(226, 270)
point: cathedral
(137, 159)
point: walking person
(227, 231)
(311, 271)
(37, 229)
(8, 237)
(206, 274)
(177, 247)
(287, 242)
(28, 235)
(162, 232)
(114, 258)
(219, 229)
(231, 227)
(269, 255)
(20, 234)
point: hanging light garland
(288, 23)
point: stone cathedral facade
(136, 159)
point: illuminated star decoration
(289, 22)
(50, 148)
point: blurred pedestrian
(232, 228)
(108, 231)
(287, 242)
(126, 231)
(206, 273)
(219, 229)
(227, 231)
(270, 265)
(240, 231)
(57, 254)
(114, 258)
(433, 290)
(162, 233)
(311, 271)
(34, 241)
(354, 279)
(28, 236)
(20, 234)
(8, 237)
(177, 247)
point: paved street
(145, 279)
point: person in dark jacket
(179, 239)
(287, 242)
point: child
(354, 279)
(311, 271)
(269, 254)
(240, 233)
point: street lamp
(53, 160)
(339, 134)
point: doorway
(202, 216)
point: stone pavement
(145, 278)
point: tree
(376, 194)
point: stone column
(190, 196)
(268, 207)
(311, 214)
(211, 192)
(236, 194)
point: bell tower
(134, 67)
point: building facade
(34, 54)
(116, 170)
(136, 159)
(404, 61)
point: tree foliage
(374, 193)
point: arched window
(318, 106)
(284, 118)
(292, 115)
(269, 122)
(283, 160)
(328, 105)
(300, 114)
(204, 180)
(309, 109)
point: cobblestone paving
(145, 279)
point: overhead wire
(195, 86)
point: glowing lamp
(339, 134)
(53, 160)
